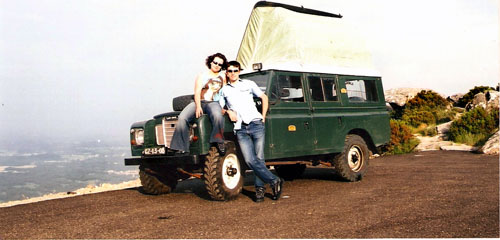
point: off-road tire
(157, 181)
(290, 172)
(180, 102)
(221, 180)
(352, 164)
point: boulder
(444, 128)
(487, 100)
(479, 100)
(493, 97)
(454, 98)
(491, 146)
(400, 96)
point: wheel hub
(231, 171)
(355, 158)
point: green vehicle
(317, 115)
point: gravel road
(435, 194)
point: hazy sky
(88, 69)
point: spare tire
(180, 102)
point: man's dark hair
(211, 58)
(234, 63)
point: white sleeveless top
(211, 86)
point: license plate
(154, 151)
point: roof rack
(296, 9)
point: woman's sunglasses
(218, 64)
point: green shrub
(468, 97)
(402, 139)
(427, 98)
(427, 107)
(426, 130)
(474, 127)
(418, 116)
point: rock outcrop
(492, 145)
(400, 96)
(488, 100)
(455, 97)
(439, 142)
(493, 97)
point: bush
(426, 130)
(474, 127)
(468, 97)
(416, 117)
(427, 98)
(402, 139)
(427, 107)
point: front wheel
(223, 174)
(352, 163)
(157, 180)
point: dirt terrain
(436, 194)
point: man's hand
(199, 112)
(265, 106)
(232, 115)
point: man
(249, 127)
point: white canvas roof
(284, 37)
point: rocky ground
(400, 96)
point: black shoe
(277, 187)
(222, 148)
(259, 194)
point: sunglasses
(233, 71)
(218, 64)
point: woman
(206, 97)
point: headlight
(192, 137)
(137, 136)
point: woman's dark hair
(211, 58)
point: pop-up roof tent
(293, 38)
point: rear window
(361, 90)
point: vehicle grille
(165, 131)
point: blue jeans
(180, 139)
(251, 139)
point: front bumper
(164, 160)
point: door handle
(306, 125)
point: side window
(290, 88)
(361, 91)
(330, 89)
(322, 89)
(316, 89)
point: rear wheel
(223, 174)
(158, 180)
(290, 172)
(352, 163)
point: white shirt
(239, 98)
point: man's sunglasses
(233, 71)
(218, 64)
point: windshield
(260, 78)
